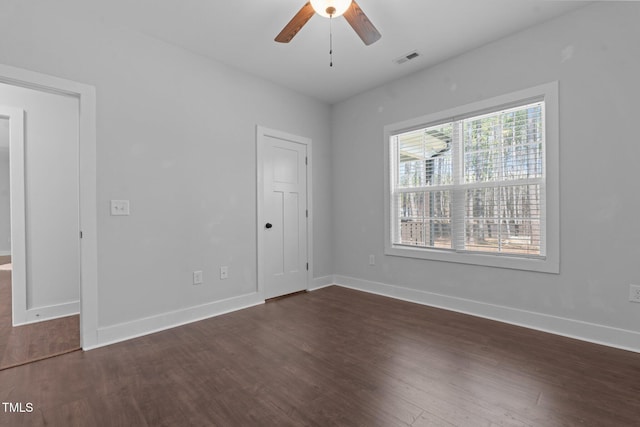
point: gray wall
(595, 55)
(175, 136)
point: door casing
(86, 95)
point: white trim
(148, 325)
(87, 186)
(18, 215)
(5, 253)
(551, 262)
(50, 312)
(261, 133)
(310, 209)
(321, 282)
(577, 329)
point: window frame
(550, 262)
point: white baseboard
(148, 325)
(584, 331)
(50, 312)
(321, 282)
(5, 253)
(140, 327)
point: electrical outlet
(634, 293)
(197, 277)
(224, 272)
(119, 207)
(372, 260)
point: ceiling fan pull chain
(330, 42)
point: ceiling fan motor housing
(330, 8)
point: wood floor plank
(27, 343)
(334, 357)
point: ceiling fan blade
(296, 24)
(361, 24)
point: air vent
(408, 57)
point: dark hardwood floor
(28, 343)
(333, 357)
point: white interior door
(284, 215)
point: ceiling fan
(331, 9)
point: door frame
(17, 216)
(86, 96)
(261, 134)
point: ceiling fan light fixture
(352, 12)
(330, 8)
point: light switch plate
(119, 207)
(197, 277)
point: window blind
(472, 184)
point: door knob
(268, 225)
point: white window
(477, 184)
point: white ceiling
(241, 32)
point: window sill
(543, 264)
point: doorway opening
(85, 233)
(22, 340)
